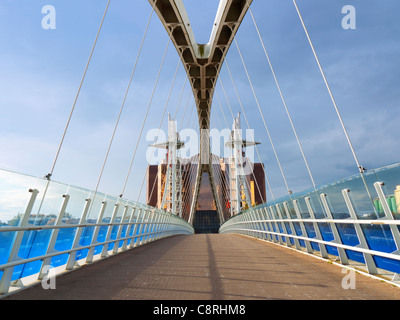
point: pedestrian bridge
(304, 247)
(204, 267)
(339, 240)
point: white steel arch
(202, 63)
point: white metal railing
(285, 223)
(133, 226)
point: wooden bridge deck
(210, 267)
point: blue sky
(40, 71)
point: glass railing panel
(391, 177)
(14, 197)
(72, 216)
(380, 238)
(44, 213)
(316, 205)
(86, 240)
(301, 203)
(309, 226)
(348, 236)
(34, 243)
(327, 235)
(92, 218)
(107, 216)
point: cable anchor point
(362, 169)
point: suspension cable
(145, 118)
(159, 127)
(180, 98)
(220, 106)
(184, 112)
(361, 168)
(48, 176)
(283, 99)
(262, 116)
(124, 100)
(226, 97)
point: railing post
(388, 214)
(278, 207)
(90, 255)
(369, 261)
(252, 225)
(264, 215)
(260, 224)
(109, 231)
(274, 217)
(136, 228)
(116, 243)
(143, 227)
(342, 253)
(322, 247)
(155, 225)
(160, 225)
(72, 255)
(303, 228)
(128, 230)
(53, 239)
(149, 226)
(296, 241)
(7, 274)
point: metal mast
(238, 167)
(172, 195)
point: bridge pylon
(239, 166)
(172, 186)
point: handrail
(377, 240)
(139, 224)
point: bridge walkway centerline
(210, 267)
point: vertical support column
(72, 255)
(53, 239)
(369, 261)
(7, 274)
(342, 253)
